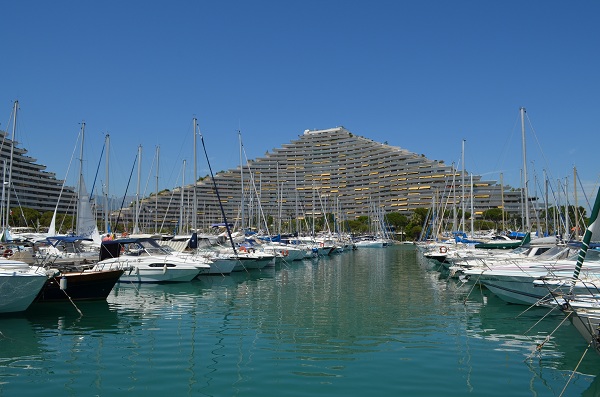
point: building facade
(28, 184)
(323, 171)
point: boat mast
(546, 201)
(78, 215)
(296, 197)
(525, 179)
(462, 220)
(567, 222)
(279, 195)
(180, 231)
(195, 199)
(10, 163)
(156, 201)
(502, 201)
(106, 209)
(454, 213)
(472, 210)
(3, 192)
(576, 206)
(136, 228)
(241, 181)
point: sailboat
(74, 277)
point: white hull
(221, 266)
(370, 244)
(18, 289)
(147, 272)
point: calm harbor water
(372, 321)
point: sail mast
(10, 163)
(462, 219)
(106, 191)
(194, 201)
(78, 218)
(156, 201)
(525, 178)
(180, 231)
(241, 182)
(136, 228)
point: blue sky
(422, 75)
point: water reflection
(325, 327)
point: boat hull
(86, 285)
(18, 291)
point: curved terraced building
(31, 186)
(323, 171)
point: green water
(369, 322)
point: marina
(372, 320)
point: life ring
(124, 234)
(7, 253)
(443, 250)
(243, 249)
(284, 253)
(321, 244)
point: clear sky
(422, 75)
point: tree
(397, 220)
(22, 217)
(494, 215)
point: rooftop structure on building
(323, 171)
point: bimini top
(54, 240)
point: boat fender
(165, 269)
(63, 283)
(443, 250)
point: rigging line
(125, 195)
(472, 288)
(97, 169)
(537, 141)
(218, 195)
(539, 346)
(164, 219)
(252, 180)
(67, 295)
(541, 319)
(66, 176)
(576, 367)
(583, 191)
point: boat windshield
(552, 252)
(148, 247)
(591, 255)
